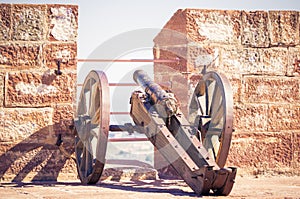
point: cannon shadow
(37, 157)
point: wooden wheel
(211, 111)
(92, 126)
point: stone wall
(36, 104)
(258, 51)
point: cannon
(195, 146)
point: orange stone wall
(36, 105)
(258, 52)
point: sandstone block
(66, 53)
(284, 27)
(293, 68)
(63, 117)
(30, 89)
(236, 60)
(236, 86)
(250, 117)
(199, 56)
(213, 26)
(283, 117)
(5, 22)
(274, 61)
(31, 124)
(63, 22)
(264, 89)
(255, 29)
(296, 149)
(129, 173)
(264, 151)
(28, 22)
(20, 56)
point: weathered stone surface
(236, 86)
(264, 89)
(66, 53)
(33, 162)
(63, 117)
(20, 56)
(217, 26)
(284, 27)
(199, 56)
(29, 89)
(31, 124)
(283, 117)
(255, 29)
(296, 149)
(251, 117)
(129, 173)
(259, 55)
(5, 21)
(35, 104)
(293, 68)
(63, 22)
(236, 60)
(2, 75)
(28, 22)
(264, 151)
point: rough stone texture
(255, 29)
(265, 89)
(284, 27)
(293, 68)
(5, 21)
(30, 89)
(63, 118)
(264, 151)
(217, 26)
(199, 56)
(66, 53)
(31, 162)
(27, 125)
(63, 21)
(283, 117)
(28, 22)
(129, 173)
(238, 60)
(19, 56)
(259, 52)
(251, 117)
(36, 105)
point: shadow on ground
(37, 156)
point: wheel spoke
(89, 159)
(216, 98)
(217, 115)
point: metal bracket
(58, 71)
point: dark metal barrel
(166, 104)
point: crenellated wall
(258, 51)
(36, 104)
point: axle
(164, 102)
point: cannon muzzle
(165, 103)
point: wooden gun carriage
(196, 147)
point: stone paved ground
(245, 187)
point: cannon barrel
(165, 103)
